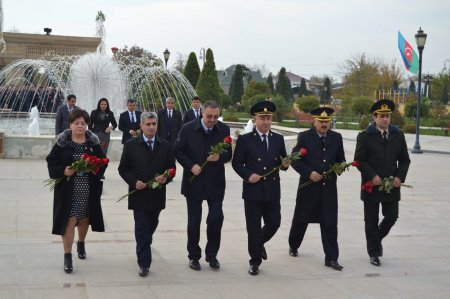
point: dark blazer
(165, 129)
(192, 147)
(99, 125)
(138, 162)
(318, 202)
(61, 156)
(62, 118)
(381, 158)
(190, 115)
(125, 124)
(249, 157)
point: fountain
(45, 83)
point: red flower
(96, 169)
(84, 156)
(367, 186)
(105, 144)
(356, 163)
(172, 172)
(303, 152)
(105, 160)
(228, 139)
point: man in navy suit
(318, 202)
(145, 158)
(62, 114)
(195, 112)
(129, 121)
(257, 153)
(192, 149)
(169, 121)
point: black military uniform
(381, 153)
(261, 199)
(318, 202)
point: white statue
(249, 127)
(33, 127)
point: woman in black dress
(76, 201)
(103, 123)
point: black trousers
(214, 223)
(375, 232)
(145, 224)
(270, 212)
(328, 233)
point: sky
(307, 37)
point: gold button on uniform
(264, 168)
(324, 160)
(323, 184)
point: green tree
(326, 94)
(252, 89)
(307, 103)
(395, 85)
(138, 55)
(192, 69)
(361, 105)
(411, 107)
(208, 87)
(412, 87)
(270, 82)
(303, 91)
(283, 107)
(283, 86)
(397, 119)
(237, 84)
(444, 94)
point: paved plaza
(416, 262)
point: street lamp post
(202, 55)
(421, 38)
(166, 56)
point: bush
(397, 119)
(411, 108)
(364, 121)
(361, 105)
(283, 107)
(409, 128)
(308, 103)
(247, 103)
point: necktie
(150, 144)
(264, 142)
(196, 113)
(132, 117)
(385, 136)
(208, 131)
(170, 114)
(70, 109)
(323, 139)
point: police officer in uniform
(382, 152)
(318, 202)
(257, 153)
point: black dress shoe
(68, 263)
(194, 265)
(293, 252)
(334, 265)
(81, 250)
(253, 270)
(143, 271)
(375, 260)
(213, 263)
(263, 253)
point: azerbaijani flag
(408, 54)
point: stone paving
(416, 262)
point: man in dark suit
(145, 158)
(382, 152)
(192, 149)
(257, 153)
(195, 112)
(62, 114)
(318, 202)
(129, 121)
(169, 121)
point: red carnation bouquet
(153, 184)
(387, 184)
(292, 157)
(216, 150)
(85, 164)
(337, 168)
